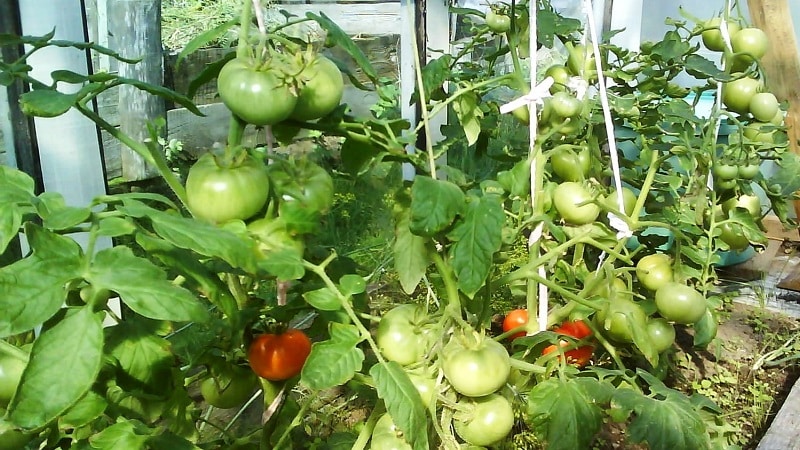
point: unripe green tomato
(736, 94)
(680, 303)
(654, 271)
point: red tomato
(281, 356)
(515, 319)
(579, 330)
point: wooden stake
(781, 64)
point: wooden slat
(781, 64)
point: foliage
(196, 289)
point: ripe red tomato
(515, 319)
(577, 329)
(281, 356)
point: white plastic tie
(535, 96)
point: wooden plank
(783, 432)
(355, 19)
(781, 64)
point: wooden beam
(781, 64)
(136, 26)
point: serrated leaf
(323, 299)
(476, 238)
(141, 353)
(333, 362)
(202, 39)
(15, 186)
(68, 76)
(665, 424)
(410, 254)
(402, 402)
(562, 413)
(434, 205)
(209, 73)
(32, 289)
(57, 215)
(73, 347)
(163, 92)
(115, 226)
(143, 286)
(705, 329)
(46, 102)
(702, 69)
(469, 116)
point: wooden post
(781, 64)
(136, 27)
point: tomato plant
(219, 190)
(515, 319)
(661, 332)
(404, 334)
(712, 36)
(577, 329)
(737, 94)
(321, 91)
(654, 271)
(619, 318)
(574, 203)
(751, 41)
(485, 421)
(680, 303)
(569, 164)
(257, 96)
(12, 363)
(386, 436)
(280, 356)
(497, 21)
(764, 106)
(475, 366)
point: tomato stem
(526, 366)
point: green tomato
(579, 64)
(733, 235)
(573, 201)
(560, 76)
(680, 303)
(661, 332)
(477, 368)
(425, 384)
(321, 92)
(229, 387)
(752, 42)
(736, 95)
(751, 203)
(273, 236)
(750, 169)
(386, 435)
(570, 165)
(404, 334)
(762, 132)
(256, 96)
(619, 317)
(725, 171)
(218, 193)
(305, 191)
(498, 22)
(712, 36)
(565, 105)
(484, 421)
(628, 200)
(654, 271)
(764, 106)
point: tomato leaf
(88, 408)
(562, 412)
(705, 329)
(45, 392)
(142, 353)
(477, 236)
(410, 254)
(57, 215)
(335, 361)
(119, 435)
(323, 299)
(403, 402)
(469, 115)
(434, 205)
(46, 102)
(665, 420)
(702, 68)
(285, 264)
(204, 38)
(337, 37)
(143, 286)
(352, 284)
(32, 289)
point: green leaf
(285, 264)
(143, 286)
(115, 226)
(57, 215)
(702, 69)
(356, 153)
(68, 76)
(163, 92)
(210, 72)
(403, 402)
(337, 37)
(410, 254)
(469, 115)
(46, 102)
(352, 284)
(434, 205)
(665, 423)
(335, 361)
(787, 174)
(64, 363)
(517, 181)
(32, 289)
(15, 186)
(476, 238)
(88, 408)
(121, 435)
(563, 414)
(705, 329)
(202, 39)
(323, 299)
(141, 352)
(434, 75)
